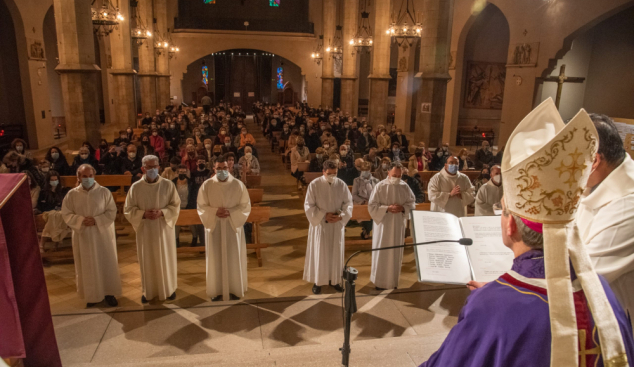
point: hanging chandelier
(161, 45)
(316, 55)
(362, 40)
(173, 49)
(335, 49)
(401, 30)
(106, 18)
(140, 32)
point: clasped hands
(88, 222)
(153, 214)
(222, 213)
(455, 191)
(395, 208)
(333, 217)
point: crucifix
(560, 80)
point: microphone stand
(350, 301)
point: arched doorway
(483, 77)
(242, 76)
(11, 99)
(602, 55)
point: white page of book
(488, 256)
(445, 262)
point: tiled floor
(279, 311)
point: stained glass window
(205, 74)
(280, 78)
(274, 2)
(210, 1)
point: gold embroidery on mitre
(533, 198)
(618, 361)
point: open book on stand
(450, 263)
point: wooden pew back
(189, 217)
(103, 180)
(255, 195)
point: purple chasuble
(506, 323)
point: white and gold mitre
(545, 169)
(547, 163)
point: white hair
(86, 165)
(150, 158)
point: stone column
(147, 70)
(122, 74)
(434, 70)
(327, 74)
(78, 72)
(162, 60)
(349, 92)
(380, 76)
(405, 88)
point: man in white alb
(606, 213)
(489, 194)
(390, 204)
(328, 208)
(223, 207)
(450, 191)
(89, 210)
(152, 207)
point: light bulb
(370, 41)
(328, 49)
(177, 49)
(149, 34)
(138, 32)
(387, 32)
(352, 42)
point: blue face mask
(222, 174)
(152, 173)
(87, 182)
(452, 168)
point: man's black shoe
(316, 289)
(338, 288)
(379, 289)
(112, 301)
(217, 298)
(89, 305)
(143, 300)
(172, 297)
(233, 297)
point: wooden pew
(255, 195)
(361, 213)
(310, 176)
(258, 215)
(303, 167)
(254, 181)
(106, 180)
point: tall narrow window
(205, 72)
(274, 2)
(210, 1)
(280, 78)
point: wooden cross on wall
(560, 80)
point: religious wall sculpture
(484, 85)
(523, 55)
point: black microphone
(465, 241)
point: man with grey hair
(328, 207)
(606, 212)
(390, 204)
(90, 211)
(152, 207)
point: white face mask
(497, 179)
(394, 180)
(248, 155)
(330, 178)
(132, 155)
(208, 146)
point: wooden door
(243, 89)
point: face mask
(19, 148)
(384, 166)
(463, 157)
(152, 173)
(244, 133)
(198, 134)
(207, 146)
(394, 180)
(154, 134)
(497, 179)
(145, 142)
(123, 137)
(396, 151)
(174, 168)
(365, 133)
(227, 144)
(240, 127)
(346, 126)
(45, 169)
(439, 154)
(205, 126)
(300, 145)
(222, 174)
(486, 176)
(323, 128)
(319, 156)
(104, 146)
(54, 183)
(132, 155)
(326, 146)
(172, 126)
(285, 130)
(83, 156)
(343, 152)
(223, 133)
(182, 176)
(201, 166)
(248, 155)
(330, 178)
(366, 175)
(418, 155)
(452, 168)
(398, 134)
(444, 149)
(87, 182)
